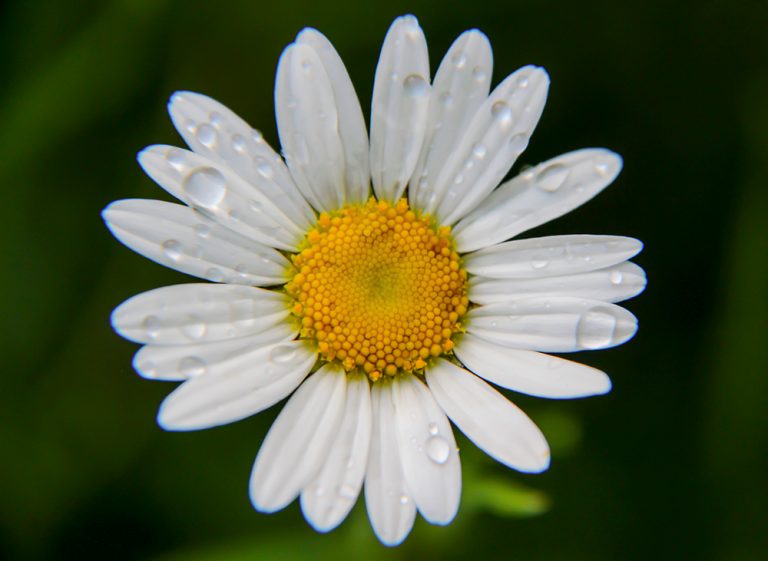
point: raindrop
(433, 430)
(215, 118)
(234, 215)
(596, 328)
(238, 143)
(214, 274)
(206, 135)
(175, 158)
(172, 250)
(459, 59)
(264, 168)
(255, 205)
(206, 187)
(191, 366)
(518, 143)
(257, 136)
(346, 491)
(147, 368)
(446, 99)
(601, 169)
(242, 270)
(282, 353)
(306, 65)
(539, 262)
(194, 328)
(438, 449)
(502, 112)
(415, 85)
(459, 179)
(202, 230)
(404, 499)
(479, 73)
(190, 125)
(617, 277)
(152, 325)
(479, 150)
(522, 82)
(552, 177)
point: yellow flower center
(379, 288)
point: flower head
(380, 312)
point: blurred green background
(670, 465)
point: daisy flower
(373, 282)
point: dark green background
(670, 465)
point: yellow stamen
(379, 288)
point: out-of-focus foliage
(667, 466)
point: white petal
(529, 372)
(534, 258)
(461, 84)
(307, 122)
(390, 505)
(195, 313)
(179, 362)
(327, 500)
(400, 107)
(183, 239)
(493, 423)
(556, 325)
(536, 196)
(214, 131)
(299, 441)
(352, 132)
(232, 382)
(222, 194)
(612, 284)
(430, 458)
(496, 136)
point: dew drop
(190, 125)
(438, 449)
(264, 168)
(206, 135)
(282, 353)
(459, 59)
(306, 65)
(596, 328)
(433, 430)
(172, 250)
(522, 82)
(479, 73)
(255, 205)
(479, 150)
(518, 143)
(195, 328)
(415, 85)
(202, 231)
(257, 136)
(346, 491)
(152, 325)
(446, 99)
(214, 274)
(552, 177)
(238, 143)
(404, 499)
(192, 366)
(234, 215)
(617, 277)
(206, 187)
(147, 368)
(502, 112)
(175, 158)
(601, 169)
(539, 262)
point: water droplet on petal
(446, 99)
(238, 143)
(264, 168)
(459, 59)
(214, 274)
(346, 491)
(438, 449)
(522, 82)
(306, 65)
(215, 118)
(596, 328)
(433, 430)
(479, 73)
(192, 366)
(415, 85)
(601, 169)
(539, 262)
(175, 158)
(202, 230)
(518, 143)
(172, 250)
(552, 177)
(206, 135)
(502, 112)
(206, 187)
(479, 150)
(195, 328)
(257, 136)
(282, 353)
(617, 277)
(404, 499)
(152, 325)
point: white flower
(382, 315)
